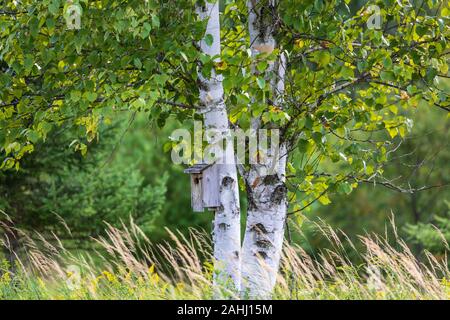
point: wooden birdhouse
(205, 186)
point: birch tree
(339, 89)
(226, 226)
(265, 181)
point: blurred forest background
(126, 173)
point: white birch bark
(226, 225)
(266, 190)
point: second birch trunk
(266, 189)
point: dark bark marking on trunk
(263, 243)
(223, 226)
(227, 182)
(279, 194)
(250, 198)
(266, 19)
(271, 180)
(259, 229)
(261, 254)
(202, 5)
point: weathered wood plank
(211, 185)
(196, 192)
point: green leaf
(28, 62)
(387, 62)
(209, 39)
(147, 27)
(318, 5)
(344, 188)
(261, 83)
(303, 145)
(137, 63)
(323, 58)
(262, 65)
(53, 7)
(346, 72)
(387, 76)
(33, 136)
(75, 95)
(324, 200)
(167, 146)
(90, 96)
(155, 22)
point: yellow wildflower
(6, 278)
(41, 282)
(109, 276)
(151, 270)
(381, 295)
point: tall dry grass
(124, 264)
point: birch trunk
(266, 189)
(226, 225)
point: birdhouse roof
(197, 168)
